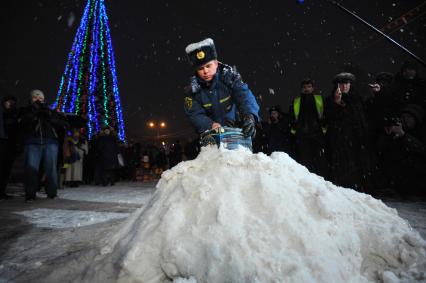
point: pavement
(47, 240)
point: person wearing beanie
(40, 126)
(277, 131)
(347, 135)
(216, 92)
(308, 128)
(8, 140)
(408, 87)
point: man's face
(409, 74)
(9, 104)
(76, 134)
(274, 115)
(207, 71)
(408, 121)
(37, 98)
(307, 88)
(344, 87)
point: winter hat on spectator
(344, 78)
(201, 52)
(409, 65)
(275, 108)
(384, 77)
(307, 81)
(9, 97)
(415, 110)
(36, 92)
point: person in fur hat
(347, 136)
(216, 93)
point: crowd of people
(370, 145)
(57, 152)
(372, 142)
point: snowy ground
(39, 237)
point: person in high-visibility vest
(308, 128)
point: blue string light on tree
(89, 85)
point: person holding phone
(347, 136)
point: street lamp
(157, 125)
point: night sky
(274, 45)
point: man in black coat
(107, 159)
(40, 126)
(277, 131)
(8, 141)
(402, 152)
(347, 136)
(408, 87)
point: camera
(389, 121)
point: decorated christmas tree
(89, 86)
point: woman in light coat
(79, 148)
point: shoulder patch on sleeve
(188, 103)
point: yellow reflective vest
(319, 105)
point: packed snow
(117, 194)
(234, 216)
(62, 218)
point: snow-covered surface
(233, 216)
(115, 194)
(62, 218)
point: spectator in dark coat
(402, 152)
(8, 141)
(347, 136)
(107, 159)
(277, 131)
(408, 87)
(379, 105)
(175, 155)
(308, 129)
(40, 126)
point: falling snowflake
(71, 19)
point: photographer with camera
(402, 151)
(40, 126)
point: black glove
(249, 128)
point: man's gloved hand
(249, 128)
(44, 112)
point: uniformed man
(308, 128)
(217, 96)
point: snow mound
(234, 216)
